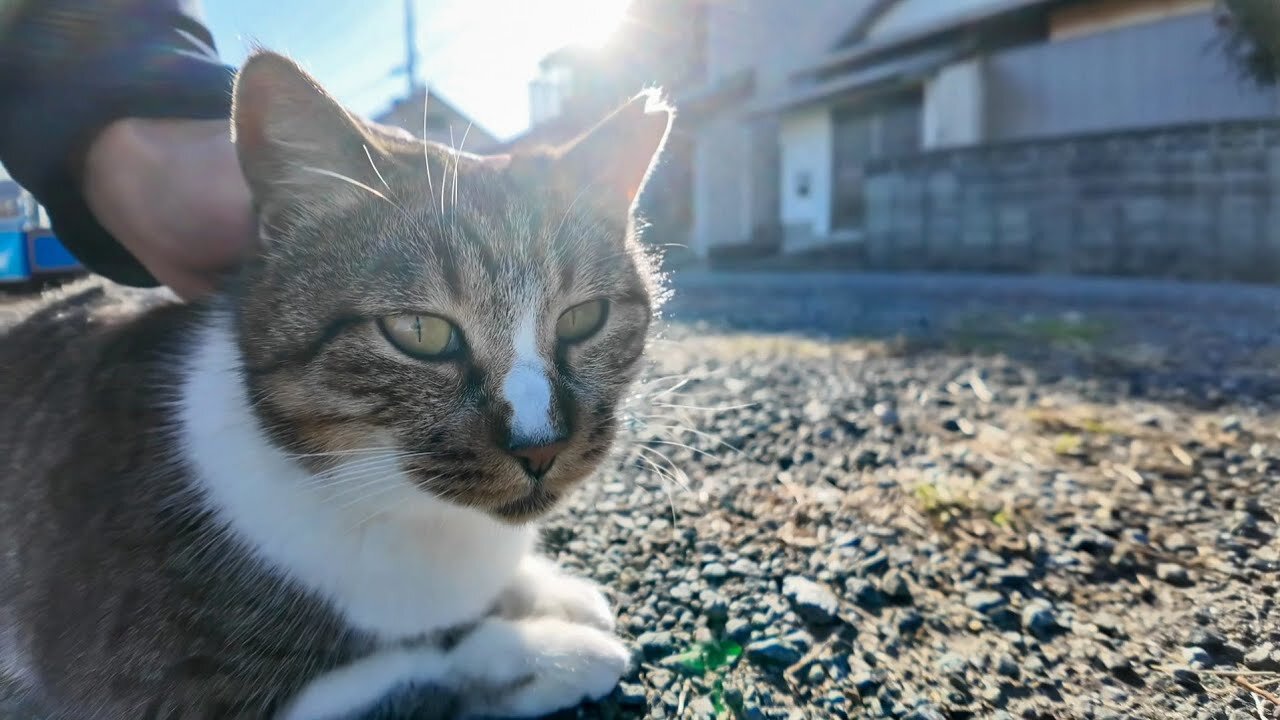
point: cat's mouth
(538, 501)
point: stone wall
(1196, 202)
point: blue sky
(480, 54)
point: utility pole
(410, 47)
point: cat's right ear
(299, 149)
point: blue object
(49, 255)
(14, 266)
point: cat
(314, 495)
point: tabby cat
(314, 495)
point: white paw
(578, 601)
(533, 667)
(541, 589)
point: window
(864, 133)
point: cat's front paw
(533, 667)
(578, 601)
(541, 589)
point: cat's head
(481, 318)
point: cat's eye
(426, 337)
(581, 321)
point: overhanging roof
(870, 48)
(892, 74)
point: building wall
(1165, 72)
(736, 193)
(806, 160)
(1197, 202)
(1100, 15)
(953, 106)
(720, 185)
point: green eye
(581, 321)
(425, 337)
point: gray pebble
(1173, 574)
(632, 695)
(774, 651)
(894, 586)
(1039, 619)
(864, 593)
(984, 601)
(656, 645)
(813, 602)
(715, 571)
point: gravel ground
(942, 497)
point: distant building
(444, 123)
(905, 133)
(917, 75)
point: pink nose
(537, 459)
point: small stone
(984, 601)
(656, 645)
(925, 712)
(715, 571)
(1231, 424)
(910, 623)
(866, 683)
(958, 425)
(867, 459)
(733, 697)
(886, 413)
(1174, 574)
(894, 586)
(774, 651)
(877, 564)
(1189, 679)
(682, 591)
(632, 695)
(1007, 666)
(816, 674)
(1039, 619)
(744, 567)
(864, 593)
(738, 629)
(1114, 662)
(1265, 657)
(813, 602)
(1197, 657)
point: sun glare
(586, 23)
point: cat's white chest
(393, 560)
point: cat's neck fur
(393, 560)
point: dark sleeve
(68, 68)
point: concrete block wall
(1196, 202)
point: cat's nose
(537, 456)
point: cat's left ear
(612, 161)
(299, 149)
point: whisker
(369, 155)
(354, 451)
(671, 500)
(699, 433)
(457, 159)
(720, 409)
(674, 468)
(344, 178)
(426, 158)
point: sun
(584, 23)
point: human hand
(172, 193)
